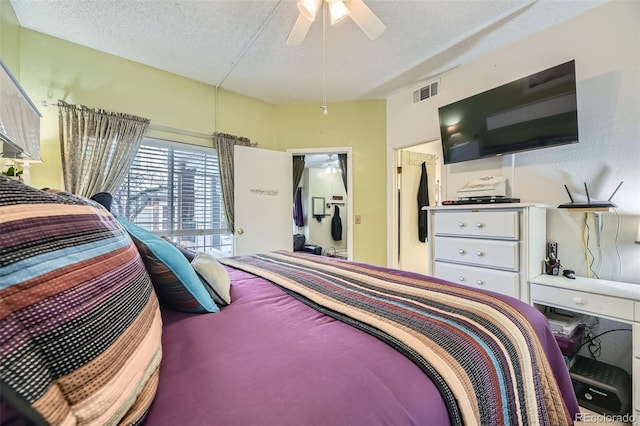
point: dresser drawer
(489, 253)
(485, 224)
(594, 304)
(635, 377)
(499, 281)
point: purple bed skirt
(268, 359)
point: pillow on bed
(80, 338)
(188, 254)
(214, 276)
(176, 283)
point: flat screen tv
(537, 111)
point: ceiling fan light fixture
(337, 10)
(309, 8)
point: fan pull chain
(324, 109)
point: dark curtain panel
(224, 146)
(298, 170)
(298, 216)
(342, 161)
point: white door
(263, 200)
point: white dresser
(498, 247)
(601, 298)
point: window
(174, 190)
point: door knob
(240, 231)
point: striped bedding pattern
(480, 351)
(80, 326)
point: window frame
(170, 221)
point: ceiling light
(309, 8)
(337, 10)
(357, 10)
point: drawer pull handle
(479, 225)
(480, 282)
(462, 251)
(479, 253)
(579, 301)
(462, 224)
(461, 278)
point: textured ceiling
(240, 45)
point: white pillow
(214, 277)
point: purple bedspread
(268, 359)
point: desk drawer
(490, 253)
(485, 224)
(594, 304)
(499, 281)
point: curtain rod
(153, 126)
(181, 131)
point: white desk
(606, 299)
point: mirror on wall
(317, 208)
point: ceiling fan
(338, 10)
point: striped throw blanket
(481, 352)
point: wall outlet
(552, 250)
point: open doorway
(409, 252)
(323, 196)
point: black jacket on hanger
(423, 200)
(336, 225)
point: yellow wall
(9, 37)
(52, 69)
(361, 125)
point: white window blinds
(174, 190)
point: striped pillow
(80, 326)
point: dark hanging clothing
(298, 216)
(423, 200)
(336, 225)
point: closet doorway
(323, 195)
(409, 252)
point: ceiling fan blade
(366, 19)
(299, 31)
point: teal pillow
(174, 280)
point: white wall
(604, 44)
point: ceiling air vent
(425, 92)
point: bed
(94, 331)
(274, 357)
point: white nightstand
(601, 298)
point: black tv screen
(537, 111)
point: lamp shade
(338, 11)
(309, 8)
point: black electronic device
(536, 111)
(590, 204)
(481, 200)
(600, 387)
